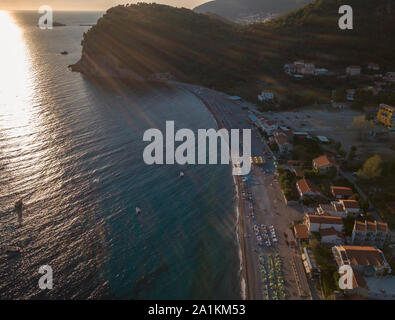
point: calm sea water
(73, 152)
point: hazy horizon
(80, 5)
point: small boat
(138, 210)
(64, 52)
(181, 174)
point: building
(308, 69)
(369, 233)
(390, 76)
(266, 96)
(289, 68)
(351, 207)
(386, 115)
(350, 93)
(284, 146)
(332, 209)
(322, 163)
(312, 268)
(341, 192)
(321, 72)
(269, 126)
(323, 139)
(382, 288)
(300, 135)
(315, 223)
(301, 233)
(373, 66)
(332, 236)
(353, 70)
(367, 260)
(307, 189)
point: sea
(72, 150)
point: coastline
(245, 285)
(239, 205)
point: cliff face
(136, 41)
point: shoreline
(240, 228)
(245, 286)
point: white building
(332, 236)
(353, 70)
(332, 209)
(373, 66)
(351, 207)
(266, 96)
(269, 126)
(315, 223)
(370, 233)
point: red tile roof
(322, 161)
(324, 219)
(364, 255)
(301, 232)
(382, 226)
(307, 186)
(341, 191)
(331, 232)
(350, 204)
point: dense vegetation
(151, 38)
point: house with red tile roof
(370, 233)
(351, 207)
(307, 189)
(341, 192)
(322, 163)
(284, 146)
(301, 232)
(332, 236)
(315, 223)
(368, 260)
(332, 209)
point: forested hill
(232, 9)
(151, 38)
(313, 31)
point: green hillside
(151, 38)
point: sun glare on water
(16, 83)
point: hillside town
(340, 225)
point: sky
(100, 5)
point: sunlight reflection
(16, 83)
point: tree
(352, 153)
(363, 97)
(362, 125)
(340, 95)
(372, 168)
